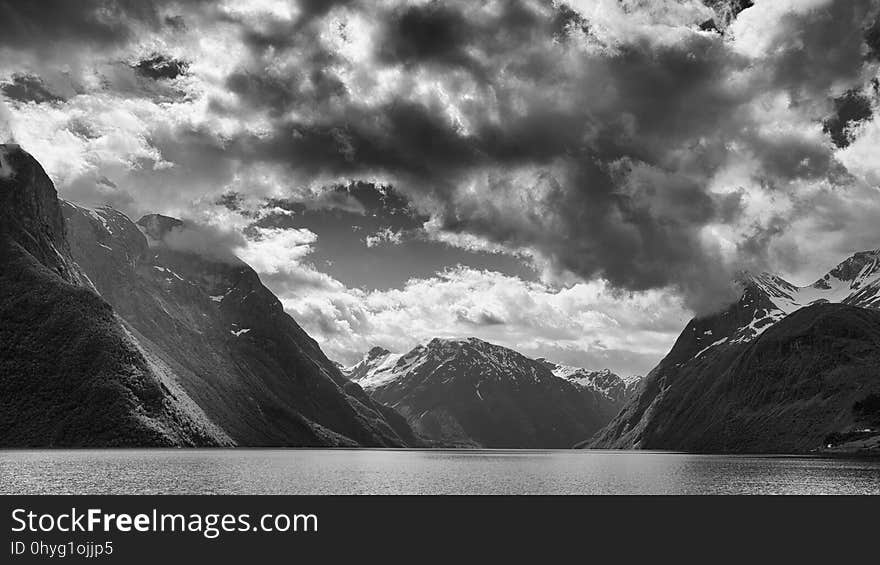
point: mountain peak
(455, 341)
(377, 352)
(157, 226)
(860, 265)
(30, 212)
(466, 391)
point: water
(295, 471)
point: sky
(573, 180)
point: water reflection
(251, 471)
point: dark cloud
(158, 67)
(49, 23)
(28, 88)
(850, 108)
(566, 21)
(872, 39)
(356, 197)
(726, 11)
(598, 160)
(236, 202)
(516, 122)
(817, 49)
(431, 32)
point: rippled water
(295, 471)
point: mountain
(467, 392)
(784, 369)
(109, 336)
(224, 336)
(71, 374)
(614, 389)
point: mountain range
(471, 393)
(112, 333)
(109, 336)
(784, 369)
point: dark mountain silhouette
(70, 373)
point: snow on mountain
(468, 392)
(768, 298)
(721, 388)
(604, 382)
(380, 367)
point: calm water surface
(294, 471)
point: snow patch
(705, 349)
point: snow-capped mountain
(769, 298)
(612, 386)
(470, 392)
(779, 370)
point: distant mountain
(467, 392)
(225, 337)
(616, 389)
(784, 369)
(71, 374)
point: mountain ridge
(469, 392)
(269, 383)
(109, 336)
(713, 348)
(70, 372)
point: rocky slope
(785, 369)
(471, 393)
(224, 337)
(70, 372)
(611, 390)
(109, 336)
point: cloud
(595, 150)
(187, 236)
(384, 236)
(54, 22)
(6, 129)
(273, 251)
(28, 88)
(599, 140)
(161, 67)
(850, 109)
(588, 324)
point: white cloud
(587, 324)
(758, 27)
(384, 236)
(862, 156)
(273, 250)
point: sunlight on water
(251, 471)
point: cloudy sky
(574, 180)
